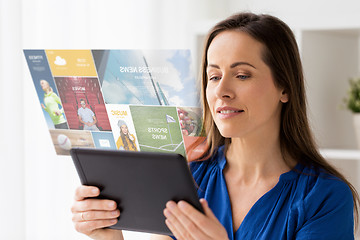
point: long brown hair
(125, 138)
(281, 54)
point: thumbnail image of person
(51, 106)
(87, 117)
(126, 141)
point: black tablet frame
(140, 182)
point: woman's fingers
(195, 222)
(83, 192)
(214, 226)
(173, 223)
(173, 229)
(95, 215)
(91, 215)
(89, 226)
(185, 220)
(85, 202)
(93, 205)
(208, 212)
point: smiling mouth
(230, 111)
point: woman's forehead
(234, 46)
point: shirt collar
(221, 158)
(221, 161)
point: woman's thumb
(206, 209)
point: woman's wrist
(118, 236)
(111, 234)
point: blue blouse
(305, 204)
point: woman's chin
(227, 133)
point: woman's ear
(284, 98)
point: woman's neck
(252, 159)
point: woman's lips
(228, 112)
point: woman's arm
(58, 101)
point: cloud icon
(60, 61)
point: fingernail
(114, 213)
(181, 204)
(94, 191)
(111, 204)
(166, 213)
(171, 205)
(113, 221)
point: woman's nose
(224, 89)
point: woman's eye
(214, 78)
(243, 77)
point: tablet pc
(140, 182)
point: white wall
(305, 13)
(330, 58)
(12, 120)
(38, 186)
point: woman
(126, 141)
(262, 176)
(52, 103)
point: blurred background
(37, 186)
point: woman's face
(124, 129)
(44, 85)
(240, 92)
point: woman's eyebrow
(241, 63)
(213, 66)
(232, 65)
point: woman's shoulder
(322, 205)
(202, 167)
(322, 191)
(316, 179)
(119, 141)
(209, 159)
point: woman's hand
(185, 222)
(91, 216)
